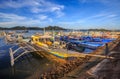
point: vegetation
(49, 28)
(54, 28)
(32, 28)
(98, 30)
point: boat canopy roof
(41, 36)
(45, 36)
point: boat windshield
(45, 40)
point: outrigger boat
(53, 46)
(40, 40)
(63, 46)
(87, 42)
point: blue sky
(74, 14)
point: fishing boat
(42, 40)
(87, 41)
(55, 46)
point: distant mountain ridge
(32, 28)
(50, 28)
(54, 28)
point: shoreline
(80, 72)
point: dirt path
(80, 72)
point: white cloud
(47, 6)
(50, 19)
(11, 17)
(19, 3)
(6, 23)
(39, 8)
(98, 17)
(23, 23)
(59, 14)
(42, 17)
(105, 2)
(14, 20)
(35, 10)
(35, 6)
(112, 16)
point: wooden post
(106, 49)
(11, 57)
(12, 63)
(13, 71)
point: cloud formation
(14, 19)
(35, 6)
(66, 13)
(4, 17)
(38, 9)
(105, 2)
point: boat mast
(44, 30)
(53, 38)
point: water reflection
(28, 66)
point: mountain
(32, 28)
(54, 28)
(49, 28)
(98, 30)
